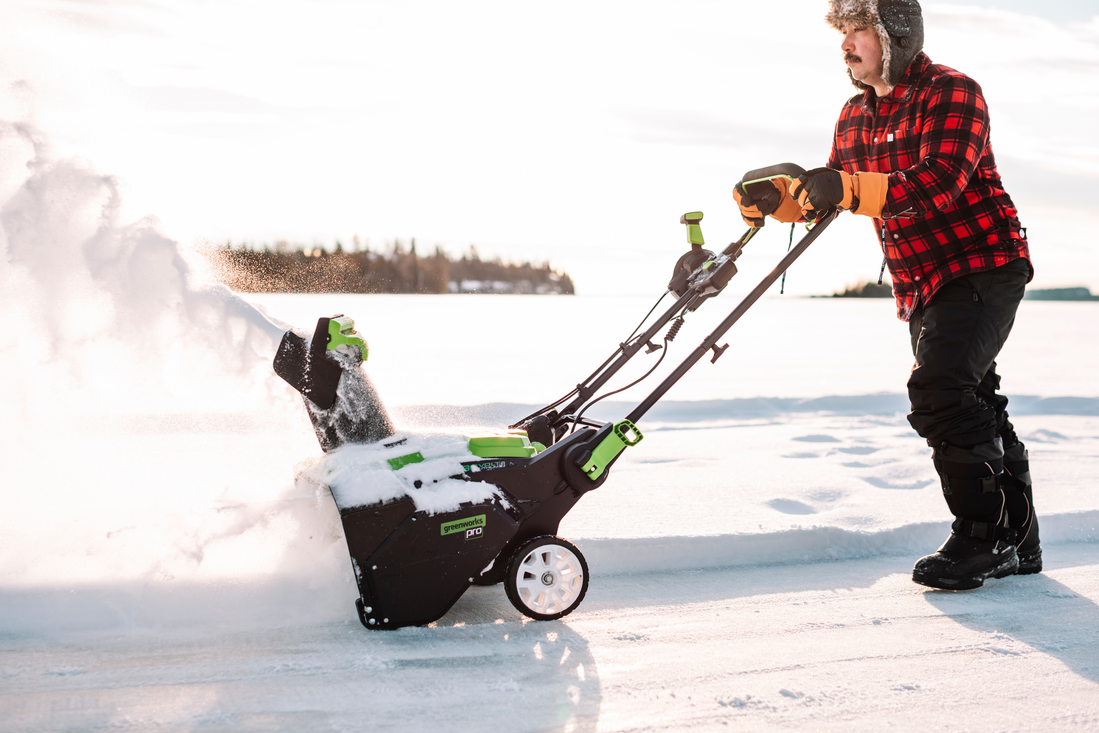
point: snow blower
(509, 490)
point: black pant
(955, 339)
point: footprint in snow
(64, 671)
(886, 484)
(801, 455)
(789, 506)
(859, 450)
(877, 463)
(817, 439)
(1045, 436)
(826, 496)
(1002, 651)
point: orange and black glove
(766, 198)
(823, 188)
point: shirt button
(896, 236)
(917, 278)
(875, 139)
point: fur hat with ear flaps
(899, 24)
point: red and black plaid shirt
(946, 214)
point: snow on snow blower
(426, 516)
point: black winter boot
(1020, 508)
(981, 545)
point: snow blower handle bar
(789, 171)
(710, 343)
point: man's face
(862, 52)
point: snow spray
(145, 439)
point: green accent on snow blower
(341, 331)
(513, 445)
(607, 450)
(401, 461)
(694, 231)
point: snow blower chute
(412, 564)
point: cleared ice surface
(847, 646)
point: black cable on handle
(711, 341)
(782, 286)
(643, 377)
(579, 387)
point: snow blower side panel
(411, 567)
(545, 487)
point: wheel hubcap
(550, 579)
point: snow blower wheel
(547, 578)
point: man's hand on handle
(823, 188)
(766, 198)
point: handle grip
(781, 170)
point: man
(912, 152)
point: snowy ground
(844, 646)
(160, 569)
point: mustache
(851, 57)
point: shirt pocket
(849, 141)
(903, 148)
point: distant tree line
(873, 290)
(866, 290)
(286, 269)
(1079, 293)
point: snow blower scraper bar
(414, 556)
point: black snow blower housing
(411, 565)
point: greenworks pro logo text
(472, 526)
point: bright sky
(574, 132)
